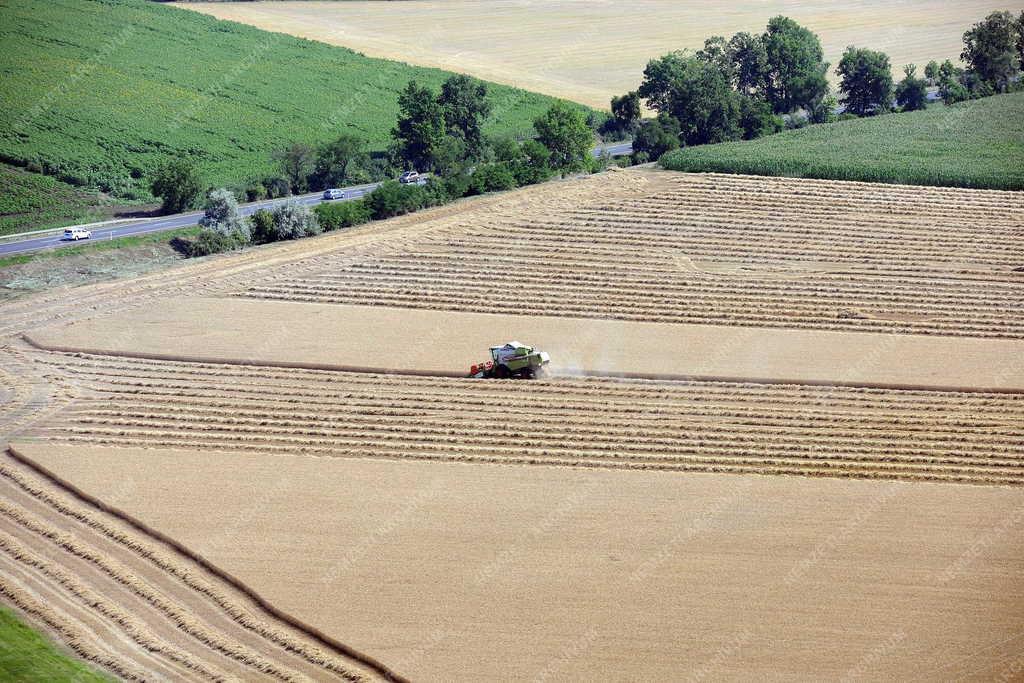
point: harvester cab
(512, 360)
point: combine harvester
(512, 360)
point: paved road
(616, 149)
(180, 220)
(185, 220)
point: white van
(76, 234)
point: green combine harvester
(513, 360)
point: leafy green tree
(948, 71)
(912, 92)
(866, 81)
(504, 149)
(262, 230)
(492, 178)
(450, 156)
(564, 131)
(696, 94)
(255, 191)
(533, 164)
(337, 215)
(210, 242)
(750, 63)
(421, 130)
(707, 109)
(296, 161)
(654, 137)
(659, 80)
(276, 186)
(716, 53)
(991, 50)
(757, 119)
(626, 110)
(1020, 39)
(340, 162)
(795, 76)
(931, 72)
(443, 190)
(528, 162)
(951, 90)
(394, 199)
(463, 101)
(975, 85)
(823, 110)
(178, 184)
(221, 215)
(293, 220)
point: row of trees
(752, 85)
(729, 90)
(440, 133)
(343, 161)
(993, 52)
(224, 228)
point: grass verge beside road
(98, 244)
(972, 144)
(26, 655)
(92, 261)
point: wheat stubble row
(947, 436)
(711, 249)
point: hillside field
(99, 93)
(30, 201)
(589, 51)
(195, 487)
(971, 144)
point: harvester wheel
(502, 372)
(527, 373)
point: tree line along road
(185, 220)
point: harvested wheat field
(266, 465)
(526, 573)
(588, 52)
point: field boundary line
(314, 633)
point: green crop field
(27, 656)
(29, 201)
(100, 92)
(971, 144)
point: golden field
(589, 51)
(266, 465)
